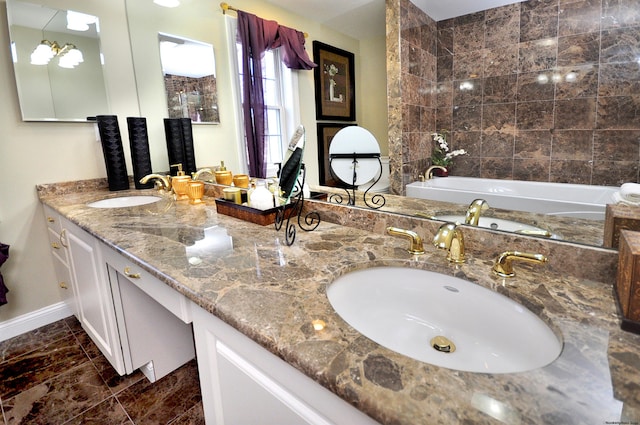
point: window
(281, 102)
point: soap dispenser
(223, 176)
(180, 184)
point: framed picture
(334, 83)
(326, 132)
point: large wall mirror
(57, 63)
(188, 68)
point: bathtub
(570, 200)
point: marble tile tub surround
(272, 293)
(542, 90)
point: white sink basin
(499, 224)
(125, 201)
(404, 309)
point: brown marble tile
(614, 173)
(470, 141)
(467, 92)
(535, 86)
(166, 399)
(429, 64)
(468, 37)
(28, 370)
(468, 65)
(499, 117)
(467, 118)
(500, 61)
(427, 119)
(88, 346)
(109, 412)
(496, 168)
(429, 37)
(620, 13)
(537, 55)
(445, 41)
(575, 113)
(566, 171)
(502, 12)
(445, 68)
(111, 378)
(577, 17)
(74, 324)
(502, 29)
(59, 398)
(444, 98)
(500, 89)
(619, 112)
(533, 169)
(533, 144)
(33, 340)
(578, 81)
(538, 19)
(194, 416)
(616, 145)
(466, 166)
(620, 45)
(410, 118)
(415, 60)
(619, 79)
(536, 115)
(572, 145)
(497, 145)
(579, 49)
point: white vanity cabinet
(242, 383)
(60, 256)
(136, 321)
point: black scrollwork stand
(377, 200)
(310, 221)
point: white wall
(44, 152)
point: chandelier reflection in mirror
(69, 55)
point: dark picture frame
(326, 132)
(335, 85)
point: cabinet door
(93, 302)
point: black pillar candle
(189, 165)
(113, 152)
(175, 146)
(140, 156)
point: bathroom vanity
(254, 305)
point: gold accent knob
(63, 285)
(127, 272)
(51, 219)
(443, 344)
(55, 245)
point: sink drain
(443, 344)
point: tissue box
(627, 289)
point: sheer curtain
(258, 35)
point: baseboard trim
(33, 320)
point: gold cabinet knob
(62, 238)
(55, 245)
(51, 219)
(127, 272)
(63, 285)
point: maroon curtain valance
(256, 36)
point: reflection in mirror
(57, 63)
(189, 78)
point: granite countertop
(246, 275)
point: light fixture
(77, 21)
(69, 55)
(167, 3)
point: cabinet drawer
(57, 246)
(52, 218)
(166, 296)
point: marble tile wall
(543, 90)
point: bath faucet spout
(472, 216)
(164, 181)
(429, 173)
(450, 237)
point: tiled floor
(56, 375)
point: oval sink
(500, 224)
(406, 310)
(125, 201)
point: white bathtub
(570, 200)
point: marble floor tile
(166, 399)
(28, 370)
(193, 416)
(62, 397)
(109, 412)
(33, 340)
(114, 381)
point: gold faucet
(429, 173)
(503, 266)
(415, 246)
(473, 212)
(163, 181)
(450, 237)
(201, 171)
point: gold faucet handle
(503, 265)
(416, 246)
